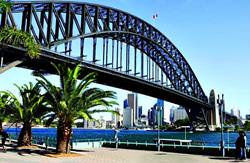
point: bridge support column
(214, 115)
(198, 118)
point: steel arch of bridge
(57, 24)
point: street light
(158, 132)
(221, 104)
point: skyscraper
(139, 112)
(116, 119)
(235, 112)
(133, 104)
(171, 115)
(180, 113)
(127, 115)
(160, 105)
(152, 116)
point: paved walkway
(109, 155)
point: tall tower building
(116, 119)
(235, 112)
(160, 105)
(180, 113)
(127, 115)
(139, 112)
(171, 115)
(153, 116)
(133, 104)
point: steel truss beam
(58, 23)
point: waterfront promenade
(110, 155)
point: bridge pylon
(214, 115)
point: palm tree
(18, 38)
(74, 100)
(27, 111)
(4, 100)
(5, 6)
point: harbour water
(140, 136)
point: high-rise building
(133, 104)
(171, 115)
(89, 124)
(125, 104)
(127, 115)
(144, 120)
(116, 119)
(160, 108)
(152, 116)
(155, 116)
(139, 112)
(177, 113)
(235, 112)
(149, 117)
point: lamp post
(221, 104)
(158, 131)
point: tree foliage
(182, 122)
(4, 110)
(74, 100)
(28, 109)
(5, 6)
(15, 37)
(247, 126)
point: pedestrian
(238, 149)
(116, 138)
(4, 137)
(243, 148)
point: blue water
(209, 138)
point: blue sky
(213, 36)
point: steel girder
(59, 23)
(102, 19)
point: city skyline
(213, 39)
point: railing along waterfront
(51, 141)
(198, 147)
(192, 148)
(174, 144)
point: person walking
(4, 137)
(238, 149)
(116, 138)
(241, 146)
(244, 145)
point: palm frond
(5, 6)
(15, 37)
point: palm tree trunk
(25, 135)
(1, 125)
(64, 130)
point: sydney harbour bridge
(123, 49)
